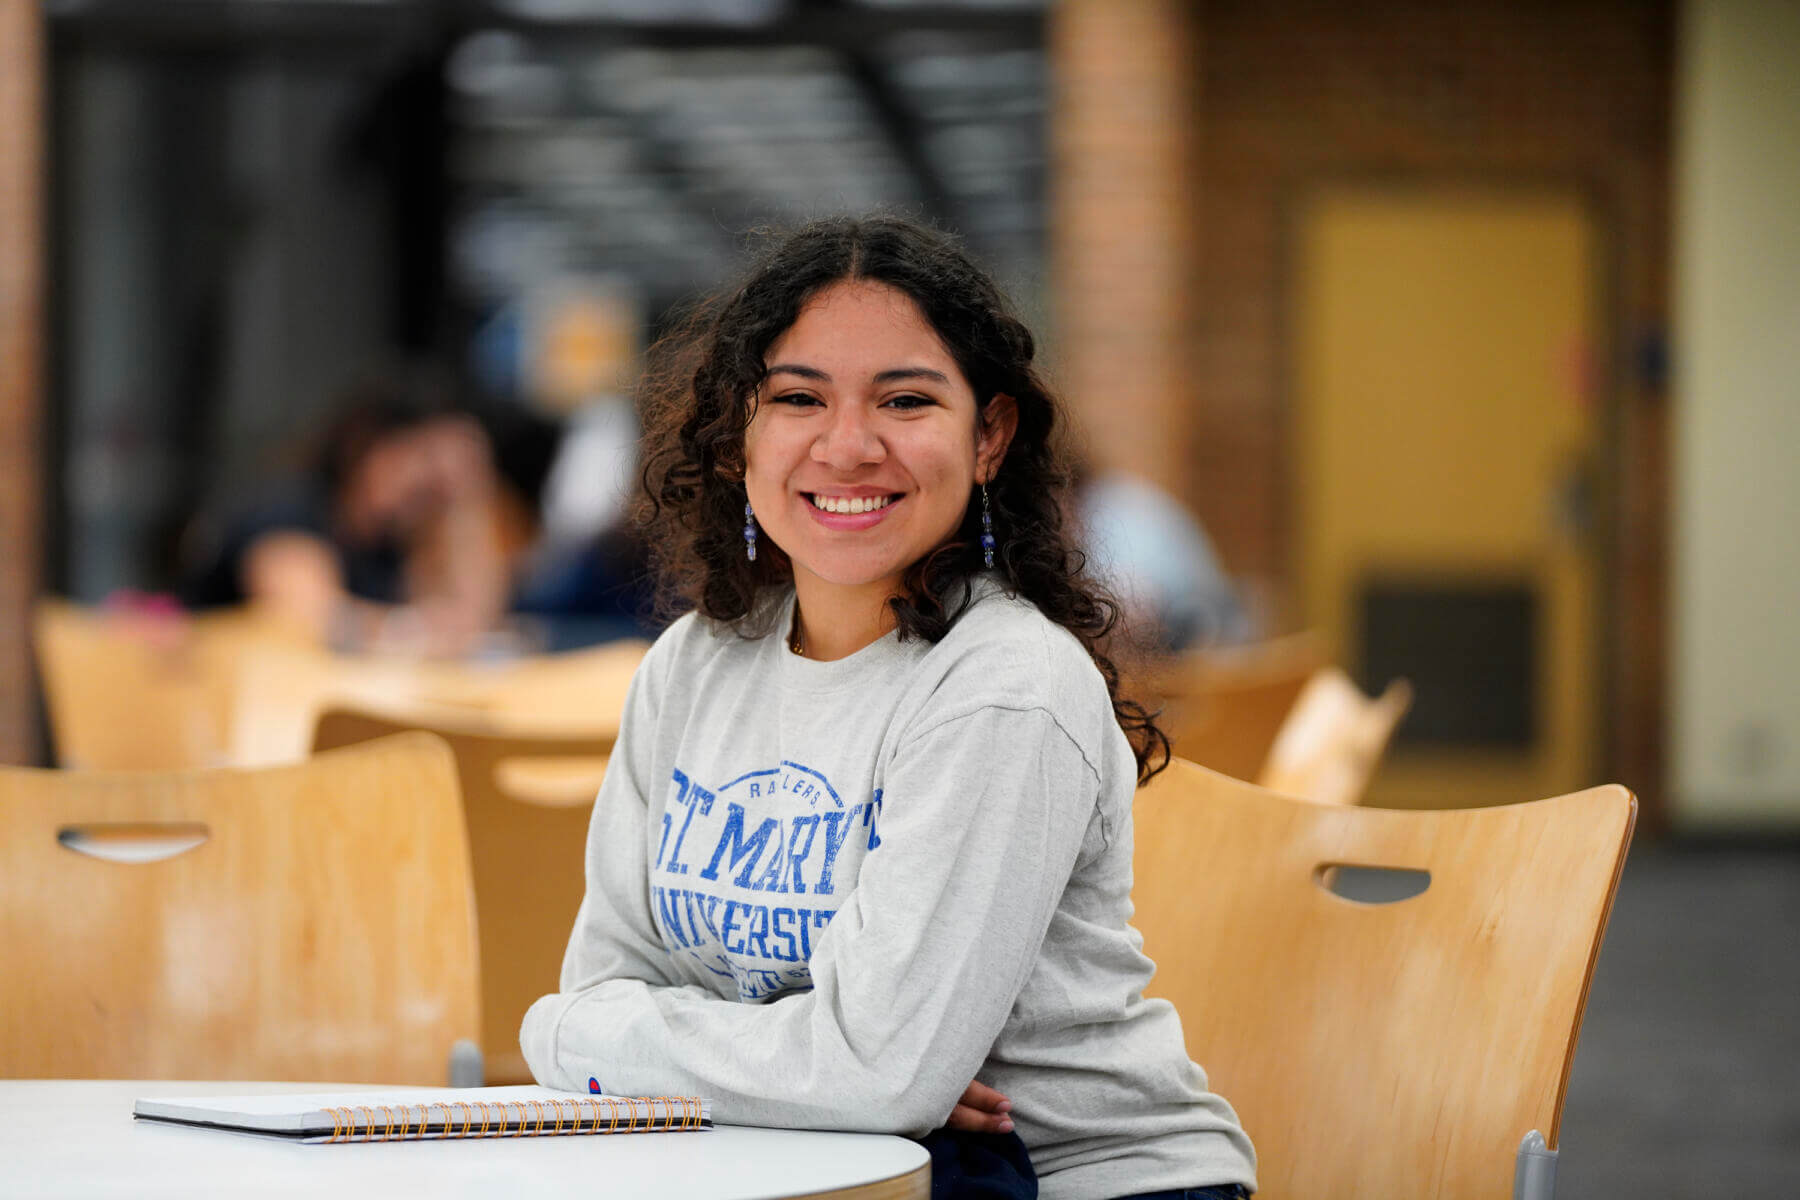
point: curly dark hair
(700, 393)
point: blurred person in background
(1158, 561)
(399, 536)
(586, 577)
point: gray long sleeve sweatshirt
(827, 895)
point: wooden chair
(302, 922)
(136, 691)
(1224, 706)
(528, 799)
(1333, 739)
(1393, 1049)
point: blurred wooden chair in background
(1223, 706)
(312, 921)
(137, 691)
(527, 798)
(1333, 739)
(156, 691)
(1379, 1049)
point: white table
(77, 1138)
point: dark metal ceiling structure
(640, 138)
(647, 147)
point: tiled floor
(1687, 1079)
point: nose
(849, 439)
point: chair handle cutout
(550, 780)
(1361, 884)
(133, 842)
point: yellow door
(1446, 414)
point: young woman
(862, 859)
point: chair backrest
(311, 921)
(134, 691)
(1223, 706)
(527, 839)
(1333, 739)
(1391, 1049)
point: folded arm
(982, 819)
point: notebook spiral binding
(513, 1118)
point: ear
(999, 421)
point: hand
(981, 1110)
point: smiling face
(866, 441)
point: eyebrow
(892, 375)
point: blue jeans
(979, 1166)
(995, 1166)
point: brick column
(1122, 228)
(21, 326)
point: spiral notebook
(429, 1114)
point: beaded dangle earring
(749, 532)
(987, 530)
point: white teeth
(850, 504)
